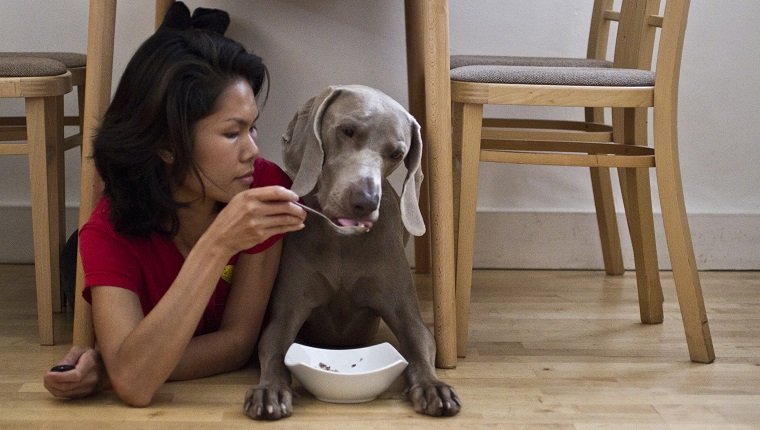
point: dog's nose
(364, 200)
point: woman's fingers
(80, 381)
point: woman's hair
(173, 81)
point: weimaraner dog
(332, 289)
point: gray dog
(332, 289)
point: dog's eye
(347, 131)
(397, 154)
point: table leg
(427, 24)
(100, 40)
(416, 90)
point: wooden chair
(629, 88)
(602, 17)
(42, 81)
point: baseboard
(518, 240)
(525, 240)
(16, 243)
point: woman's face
(224, 147)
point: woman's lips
(247, 178)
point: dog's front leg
(428, 394)
(272, 398)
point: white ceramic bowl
(345, 375)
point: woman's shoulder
(99, 227)
(99, 231)
(267, 173)
(100, 216)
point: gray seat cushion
(70, 59)
(508, 60)
(19, 66)
(588, 76)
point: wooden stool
(41, 82)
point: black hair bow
(178, 18)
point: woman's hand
(255, 215)
(87, 377)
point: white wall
(543, 217)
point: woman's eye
(231, 135)
(253, 131)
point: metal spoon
(342, 229)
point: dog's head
(341, 145)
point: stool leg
(57, 204)
(45, 139)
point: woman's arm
(142, 351)
(228, 349)
(232, 346)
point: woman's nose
(250, 150)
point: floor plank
(549, 350)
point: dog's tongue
(348, 222)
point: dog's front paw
(268, 402)
(435, 398)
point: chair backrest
(670, 49)
(635, 47)
(635, 43)
(602, 16)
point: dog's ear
(410, 192)
(302, 151)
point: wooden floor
(549, 350)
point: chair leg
(678, 235)
(456, 166)
(422, 243)
(45, 138)
(470, 118)
(641, 226)
(607, 221)
(637, 200)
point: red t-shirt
(148, 266)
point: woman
(181, 253)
